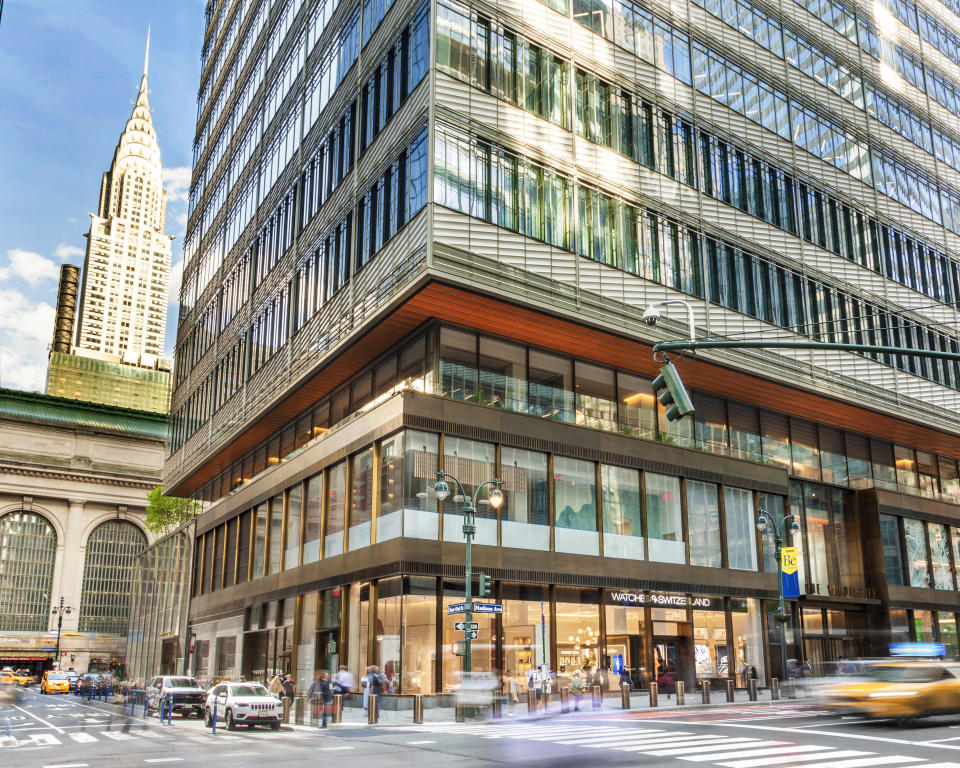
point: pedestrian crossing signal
(458, 648)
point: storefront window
(483, 648)
(551, 391)
(525, 513)
(578, 630)
(939, 540)
(390, 516)
(575, 510)
(386, 650)
(923, 626)
(817, 530)
(526, 631)
(703, 523)
(622, 526)
(890, 539)
(307, 642)
(291, 555)
(596, 397)
(906, 465)
(664, 519)
(638, 414)
(710, 651)
(503, 381)
(314, 518)
(361, 499)
(744, 431)
(336, 509)
(458, 364)
(276, 532)
(419, 635)
(741, 539)
(626, 642)
(899, 626)
(748, 641)
(673, 652)
(849, 560)
(916, 541)
(420, 517)
(472, 463)
(947, 629)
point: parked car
(247, 704)
(54, 682)
(73, 678)
(186, 693)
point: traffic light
(671, 393)
(484, 589)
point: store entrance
(673, 656)
(328, 650)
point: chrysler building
(123, 299)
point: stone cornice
(88, 476)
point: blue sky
(69, 74)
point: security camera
(650, 316)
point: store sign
(667, 600)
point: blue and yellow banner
(790, 571)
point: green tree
(166, 512)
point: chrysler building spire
(123, 302)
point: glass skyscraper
(421, 237)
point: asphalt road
(63, 732)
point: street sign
(462, 625)
(472, 634)
(456, 608)
(487, 608)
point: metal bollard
(564, 700)
(496, 706)
(774, 689)
(169, 709)
(418, 708)
(373, 709)
(597, 697)
(546, 700)
(145, 704)
(791, 689)
(625, 695)
(730, 690)
(752, 690)
(336, 714)
(681, 693)
(531, 700)
(298, 712)
(213, 718)
(705, 691)
(654, 695)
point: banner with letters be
(790, 571)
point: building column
(74, 556)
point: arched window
(107, 576)
(28, 548)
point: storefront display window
(748, 641)
(575, 510)
(664, 519)
(711, 654)
(890, 539)
(626, 642)
(390, 517)
(741, 538)
(419, 635)
(703, 523)
(578, 630)
(923, 626)
(947, 629)
(916, 545)
(620, 501)
(526, 631)
(525, 513)
(472, 463)
(673, 652)
(291, 554)
(939, 541)
(361, 499)
(386, 636)
(307, 642)
(336, 509)
(816, 527)
(484, 648)
(314, 518)
(420, 517)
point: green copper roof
(61, 410)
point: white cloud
(177, 183)
(176, 279)
(26, 328)
(28, 266)
(66, 252)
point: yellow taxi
(23, 679)
(55, 682)
(900, 690)
(7, 678)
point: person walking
(365, 682)
(276, 686)
(511, 692)
(343, 680)
(576, 689)
(321, 696)
(289, 692)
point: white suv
(243, 704)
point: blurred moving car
(247, 704)
(54, 682)
(73, 678)
(7, 678)
(185, 692)
(901, 690)
(478, 690)
(23, 679)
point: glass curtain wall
(361, 499)
(336, 509)
(291, 553)
(741, 529)
(526, 631)
(313, 530)
(525, 513)
(622, 521)
(472, 463)
(575, 507)
(703, 522)
(665, 543)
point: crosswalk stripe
(712, 751)
(151, 734)
(42, 739)
(82, 738)
(868, 762)
(649, 742)
(594, 737)
(702, 746)
(778, 759)
(787, 751)
(116, 736)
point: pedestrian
(320, 697)
(625, 676)
(576, 689)
(343, 680)
(365, 682)
(276, 686)
(512, 694)
(7, 700)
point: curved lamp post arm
(441, 475)
(476, 493)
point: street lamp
(59, 612)
(779, 528)
(495, 499)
